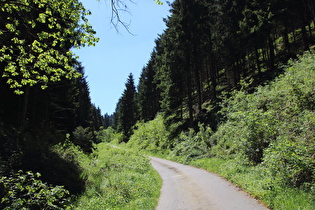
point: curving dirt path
(188, 188)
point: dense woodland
(207, 90)
(188, 90)
(44, 94)
(208, 48)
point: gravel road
(185, 187)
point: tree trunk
(286, 39)
(189, 89)
(23, 118)
(305, 38)
(257, 60)
(196, 69)
(271, 54)
(213, 77)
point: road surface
(189, 188)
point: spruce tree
(148, 93)
(126, 114)
(108, 120)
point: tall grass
(260, 183)
(118, 179)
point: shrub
(291, 157)
(109, 135)
(192, 145)
(106, 135)
(84, 138)
(151, 136)
(276, 125)
(249, 128)
(26, 191)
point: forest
(229, 84)
(208, 50)
(44, 96)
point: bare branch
(118, 6)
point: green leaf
(158, 2)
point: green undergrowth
(260, 183)
(24, 190)
(151, 136)
(118, 179)
(264, 143)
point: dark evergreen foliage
(31, 123)
(108, 120)
(210, 46)
(126, 114)
(148, 93)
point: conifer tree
(126, 114)
(209, 46)
(83, 111)
(148, 93)
(108, 120)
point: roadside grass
(118, 179)
(255, 180)
(258, 182)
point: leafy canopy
(36, 37)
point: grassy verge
(259, 183)
(118, 179)
(256, 180)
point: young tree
(126, 114)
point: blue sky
(108, 64)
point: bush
(192, 145)
(106, 135)
(291, 157)
(84, 138)
(151, 136)
(276, 125)
(26, 191)
(109, 135)
(249, 128)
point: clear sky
(108, 64)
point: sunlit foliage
(36, 38)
